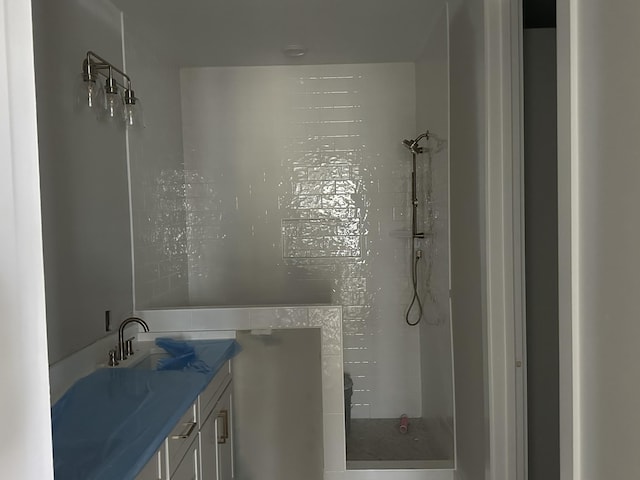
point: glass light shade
(112, 106)
(130, 114)
(133, 115)
(89, 94)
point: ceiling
(539, 13)
(253, 32)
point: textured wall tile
(166, 320)
(332, 384)
(337, 172)
(330, 319)
(334, 442)
(317, 211)
(279, 317)
(220, 319)
(331, 339)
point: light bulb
(89, 94)
(130, 115)
(112, 101)
(112, 105)
(132, 110)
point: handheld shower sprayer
(415, 149)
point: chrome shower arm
(421, 136)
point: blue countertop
(109, 424)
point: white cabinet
(215, 441)
(200, 445)
(156, 468)
(225, 442)
(190, 466)
(182, 436)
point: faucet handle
(129, 346)
(112, 358)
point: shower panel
(416, 255)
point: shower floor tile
(379, 439)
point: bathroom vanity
(147, 424)
(200, 444)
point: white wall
(26, 452)
(467, 144)
(298, 192)
(598, 183)
(85, 211)
(432, 95)
(157, 174)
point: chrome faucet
(122, 352)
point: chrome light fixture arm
(94, 65)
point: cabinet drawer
(211, 394)
(181, 437)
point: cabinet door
(181, 437)
(209, 448)
(189, 468)
(225, 436)
(215, 441)
(155, 469)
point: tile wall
(297, 193)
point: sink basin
(150, 361)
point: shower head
(409, 144)
(413, 145)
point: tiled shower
(289, 185)
(309, 200)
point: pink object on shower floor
(404, 424)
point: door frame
(505, 270)
(568, 239)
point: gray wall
(541, 239)
(278, 406)
(83, 175)
(158, 192)
(467, 146)
(607, 226)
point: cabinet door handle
(187, 433)
(224, 415)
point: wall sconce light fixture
(109, 102)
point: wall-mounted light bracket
(94, 67)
